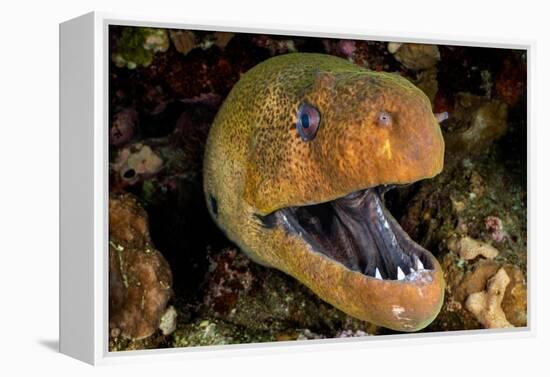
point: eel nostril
(384, 119)
(440, 117)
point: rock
(514, 303)
(414, 55)
(469, 249)
(274, 45)
(222, 38)
(486, 305)
(511, 80)
(241, 292)
(474, 280)
(463, 281)
(137, 161)
(215, 332)
(138, 45)
(184, 41)
(475, 124)
(350, 334)
(168, 321)
(140, 279)
(427, 82)
(123, 127)
(393, 47)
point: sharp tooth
(400, 273)
(377, 274)
(419, 264)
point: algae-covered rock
(215, 332)
(426, 80)
(414, 55)
(514, 303)
(140, 279)
(137, 46)
(263, 299)
(474, 125)
(185, 40)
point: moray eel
(296, 165)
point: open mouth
(360, 233)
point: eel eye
(384, 119)
(308, 119)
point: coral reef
(486, 305)
(166, 87)
(468, 248)
(139, 277)
(456, 213)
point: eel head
(355, 137)
(298, 161)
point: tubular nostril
(384, 119)
(440, 117)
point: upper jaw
(358, 232)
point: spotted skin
(256, 163)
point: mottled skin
(256, 163)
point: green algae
(214, 332)
(137, 46)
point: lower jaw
(406, 305)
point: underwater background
(175, 280)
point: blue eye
(305, 120)
(308, 119)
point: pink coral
(494, 226)
(347, 47)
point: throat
(374, 240)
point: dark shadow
(52, 345)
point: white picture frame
(84, 62)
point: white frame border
(71, 317)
